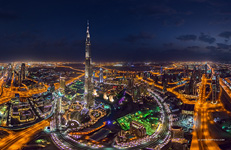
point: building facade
(88, 87)
(137, 128)
(101, 75)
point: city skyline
(121, 30)
(147, 75)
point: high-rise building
(19, 78)
(62, 83)
(58, 114)
(101, 75)
(135, 94)
(52, 87)
(23, 71)
(137, 128)
(88, 87)
(215, 88)
(185, 71)
(161, 69)
(122, 136)
(10, 66)
(206, 69)
(164, 82)
(177, 132)
(218, 83)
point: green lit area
(107, 106)
(42, 141)
(78, 85)
(146, 117)
(69, 96)
(226, 126)
(74, 90)
(39, 141)
(3, 108)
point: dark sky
(121, 30)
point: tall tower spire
(88, 43)
(88, 33)
(88, 87)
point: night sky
(121, 30)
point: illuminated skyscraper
(62, 82)
(23, 71)
(88, 87)
(215, 88)
(206, 69)
(22, 74)
(164, 82)
(101, 75)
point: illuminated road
(172, 90)
(71, 68)
(201, 139)
(225, 87)
(18, 139)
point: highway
(18, 139)
(172, 90)
(201, 137)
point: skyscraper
(164, 82)
(62, 82)
(22, 74)
(206, 68)
(88, 87)
(101, 75)
(23, 71)
(215, 88)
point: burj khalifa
(88, 87)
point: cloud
(212, 48)
(185, 54)
(206, 38)
(141, 36)
(225, 34)
(193, 47)
(197, 49)
(221, 50)
(187, 37)
(223, 46)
